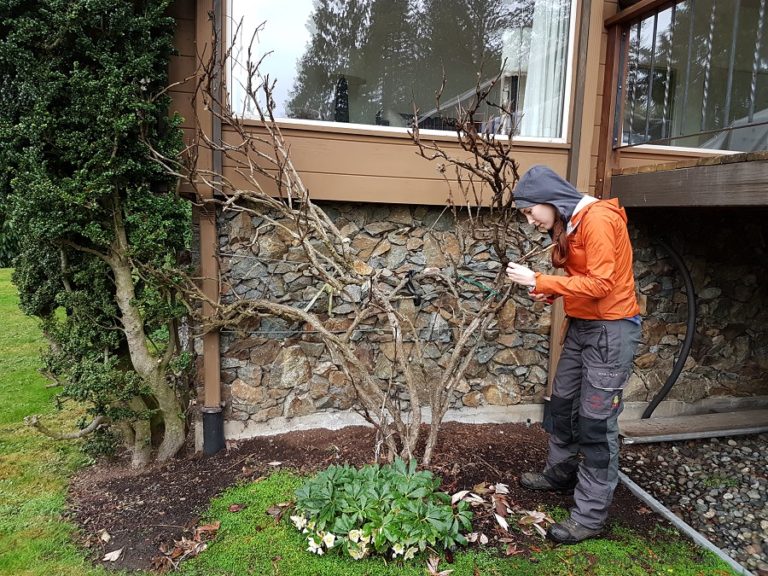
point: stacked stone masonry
(271, 368)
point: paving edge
(688, 530)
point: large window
(369, 61)
(697, 76)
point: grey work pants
(581, 416)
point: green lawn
(250, 542)
(36, 540)
(34, 470)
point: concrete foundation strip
(659, 508)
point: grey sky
(284, 33)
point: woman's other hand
(548, 298)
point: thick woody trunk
(151, 369)
(139, 436)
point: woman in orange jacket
(592, 245)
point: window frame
(389, 131)
(624, 20)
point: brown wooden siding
(367, 166)
(182, 65)
(364, 164)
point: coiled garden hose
(690, 330)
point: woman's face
(540, 215)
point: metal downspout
(213, 414)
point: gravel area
(719, 486)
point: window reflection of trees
(391, 53)
(704, 71)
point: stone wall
(726, 252)
(273, 369)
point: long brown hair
(560, 240)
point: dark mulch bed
(143, 510)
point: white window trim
(353, 127)
(576, 7)
(683, 150)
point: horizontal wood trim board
(378, 159)
(738, 184)
(636, 11)
(346, 188)
(341, 130)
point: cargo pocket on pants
(601, 398)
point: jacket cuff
(534, 288)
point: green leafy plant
(390, 510)
(88, 216)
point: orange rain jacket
(599, 284)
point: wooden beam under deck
(733, 184)
(694, 427)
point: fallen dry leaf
(236, 507)
(513, 550)
(113, 556)
(104, 536)
(189, 548)
(274, 463)
(432, 567)
(500, 505)
(162, 564)
(458, 496)
(481, 488)
(502, 522)
(501, 488)
(209, 529)
(278, 510)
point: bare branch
(34, 422)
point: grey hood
(541, 185)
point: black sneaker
(537, 481)
(571, 532)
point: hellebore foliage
(391, 510)
(82, 90)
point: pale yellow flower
(354, 535)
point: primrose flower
(329, 539)
(354, 535)
(299, 521)
(314, 547)
(397, 550)
(410, 553)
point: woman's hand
(521, 275)
(548, 298)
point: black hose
(690, 331)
